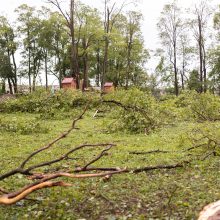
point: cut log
(210, 212)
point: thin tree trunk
(85, 72)
(128, 65)
(175, 71)
(10, 86)
(204, 69)
(105, 63)
(15, 73)
(46, 70)
(29, 69)
(130, 39)
(98, 67)
(200, 55)
(74, 58)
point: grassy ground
(167, 194)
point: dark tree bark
(200, 54)
(74, 56)
(175, 67)
(46, 68)
(98, 66)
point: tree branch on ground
(47, 179)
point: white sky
(150, 9)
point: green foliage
(22, 127)
(199, 107)
(194, 82)
(141, 112)
(48, 104)
(205, 107)
(179, 193)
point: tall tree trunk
(106, 39)
(200, 54)
(15, 73)
(175, 70)
(98, 67)
(29, 69)
(85, 71)
(182, 81)
(74, 65)
(128, 62)
(34, 83)
(46, 69)
(183, 69)
(10, 86)
(105, 63)
(204, 69)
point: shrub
(47, 103)
(139, 111)
(22, 127)
(200, 107)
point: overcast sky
(150, 9)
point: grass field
(162, 194)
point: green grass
(175, 194)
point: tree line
(108, 45)
(190, 39)
(80, 44)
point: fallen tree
(49, 179)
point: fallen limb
(150, 152)
(130, 107)
(44, 182)
(6, 200)
(21, 169)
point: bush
(22, 127)
(140, 112)
(200, 107)
(46, 103)
(205, 107)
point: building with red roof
(69, 83)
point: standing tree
(185, 55)
(200, 26)
(111, 13)
(132, 36)
(89, 32)
(30, 28)
(8, 47)
(170, 27)
(214, 56)
(70, 19)
(45, 39)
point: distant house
(109, 87)
(69, 83)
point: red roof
(68, 80)
(108, 84)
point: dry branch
(151, 152)
(44, 180)
(21, 169)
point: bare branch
(20, 169)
